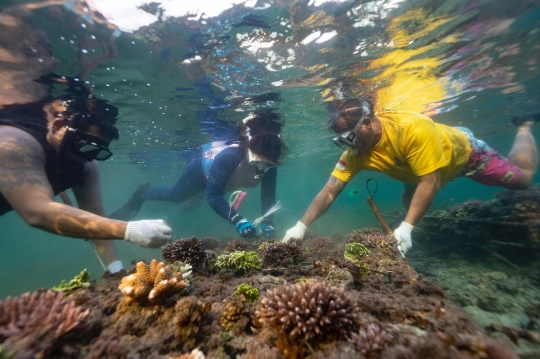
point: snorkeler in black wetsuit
(226, 166)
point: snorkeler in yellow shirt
(422, 154)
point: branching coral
(80, 281)
(189, 312)
(153, 284)
(354, 252)
(359, 235)
(251, 294)
(34, 325)
(281, 254)
(234, 310)
(239, 260)
(378, 240)
(237, 245)
(186, 250)
(309, 312)
(208, 243)
(372, 338)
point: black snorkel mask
(81, 144)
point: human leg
(524, 152)
(191, 182)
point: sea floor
(470, 297)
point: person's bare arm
(323, 200)
(89, 199)
(423, 196)
(24, 184)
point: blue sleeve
(268, 193)
(221, 170)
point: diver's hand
(149, 233)
(244, 227)
(403, 237)
(296, 232)
(267, 231)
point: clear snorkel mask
(261, 166)
(346, 140)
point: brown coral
(282, 254)
(208, 243)
(195, 354)
(189, 312)
(152, 284)
(35, 325)
(235, 310)
(187, 250)
(237, 245)
(310, 312)
(359, 235)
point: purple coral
(309, 312)
(185, 250)
(372, 338)
(36, 325)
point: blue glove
(267, 231)
(244, 227)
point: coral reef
(152, 284)
(185, 250)
(379, 240)
(280, 254)
(79, 281)
(354, 252)
(195, 354)
(189, 312)
(310, 312)
(251, 294)
(239, 260)
(235, 313)
(237, 245)
(359, 235)
(38, 325)
(208, 243)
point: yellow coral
(234, 309)
(152, 284)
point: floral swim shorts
(486, 165)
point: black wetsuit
(194, 181)
(33, 121)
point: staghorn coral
(153, 284)
(282, 254)
(359, 235)
(189, 312)
(379, 240)
(354, 252)
(239, 260)
(237, 245)
(235, 311)
(38, 324)
(251, 294)
(310, 312)
(186, 250)
(79, 281)
(208, 243)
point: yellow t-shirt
(412, 145)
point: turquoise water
(468, 63)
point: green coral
(354, 252)
(239, 260)
(251, 294)
(80, 281)
(439, 213)
(462, 214)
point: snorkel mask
(347, 140)
(261, 166)
(81, 144)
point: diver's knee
(525, 181)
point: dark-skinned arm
(24, 184)
(89, 199)
(323, 200)
(423, 196)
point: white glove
(296, 232)
(403, 237)
(115, 266)
(149, 233)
